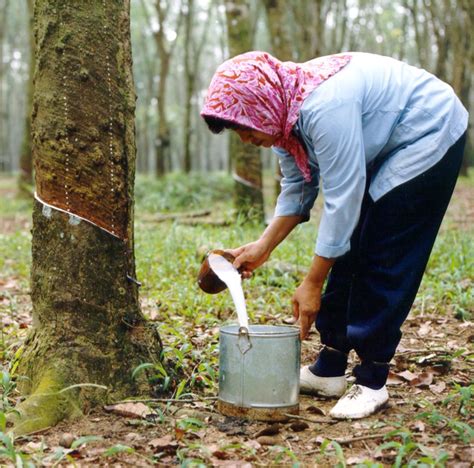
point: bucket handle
(244, 341)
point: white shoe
(323, 386)
(360, 402)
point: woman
(386, 139)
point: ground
(430, 386)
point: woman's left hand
(306, 303)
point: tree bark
(246, 161)
(463, 64)
(3, 108)
(420, 37)
(280, 39)
(88, 327)
(25, 179)
(192, 59)
(165, 51)
(278, 25)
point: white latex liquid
(229, 275)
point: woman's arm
(254, 254)
(307, 298)
(293, 207)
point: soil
(422, 355)
(433, 357)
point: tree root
(49, 403)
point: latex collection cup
(207, 279)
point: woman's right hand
(250, 256)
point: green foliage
(460, 429)
(177, 192)
(407, 449)
(9, 452)
(62, 454)
(448, 277)
(189, 424)
(7, 385)
(80, 441)
(116, 449)
(168, 258)
(338, 452)
(285, 456)
(464, 397)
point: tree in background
(89, 333)
(451, 24)
(25, 179)
(436, 35)
(193, 48)
(3, 108)
(278, 23)
(246, 161)
(165, 48)
(279, 27)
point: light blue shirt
(376, 109)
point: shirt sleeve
(336, 134)
(296, 196)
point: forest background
(178, 45)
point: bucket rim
(261, 331)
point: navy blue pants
(371, 289)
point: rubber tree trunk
(4, 4)
(25, 179)
(189, 72)
(281, 41)
(88, 327)
(245, 159)
(165, 49)
(163, 133)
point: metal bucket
(259, 372)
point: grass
(168, 257)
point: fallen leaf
(130, 410)
(422, 380)
(466, 455)
(32, 447)
(407, 375)
(394, 379)
(269, 430)
(231, 427)
(462, 379)
(164, 444)
(253, 444)
(318, 440)
(438, 387)
(299, 426)
(179, 433)
(269, 440)
(315, 410)
(418, 426)
(10, 283)
(220, 454)
(425, 329)
(131, 436)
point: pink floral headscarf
(258, 91)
